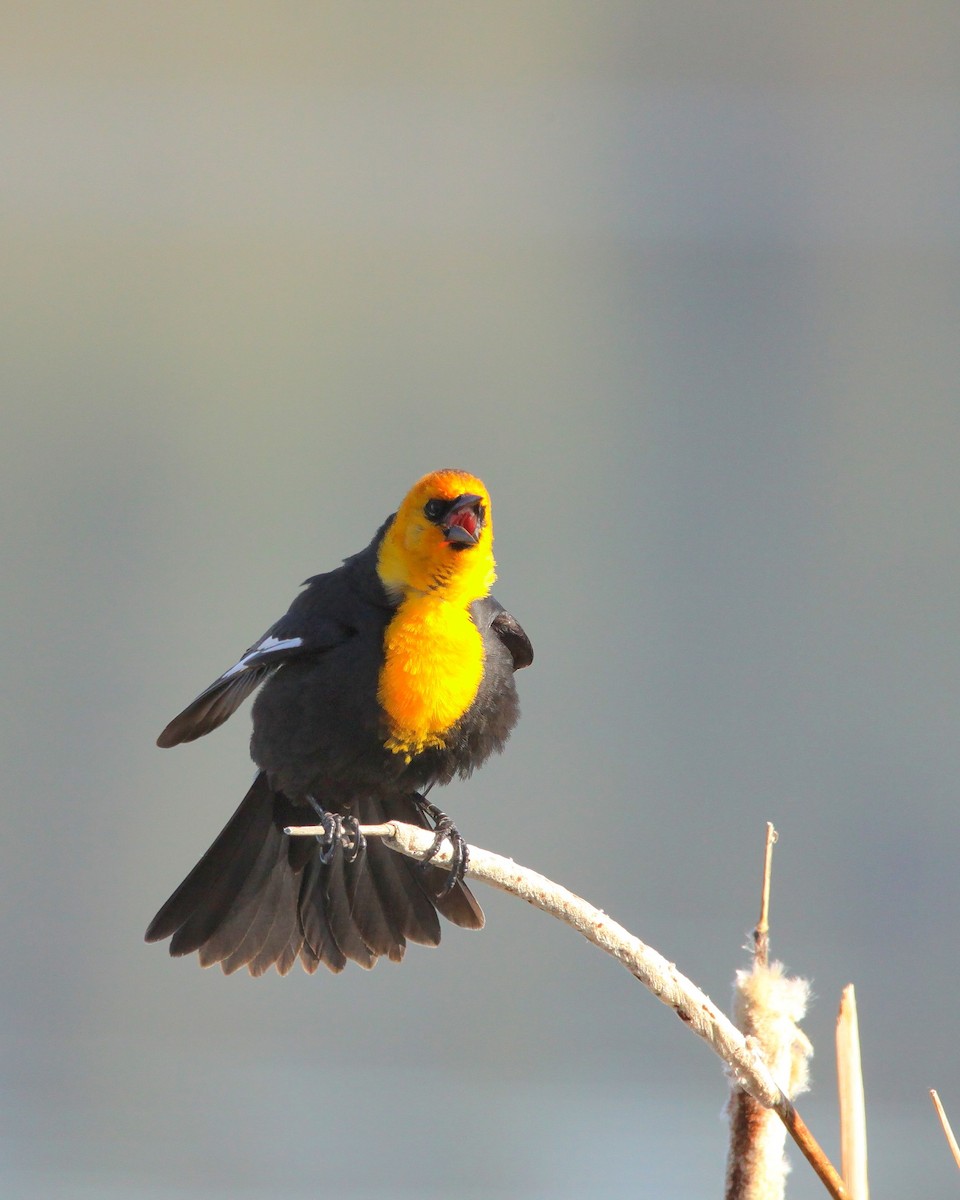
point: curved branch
(661, 977)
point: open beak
(463, 521)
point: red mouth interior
(466, 518)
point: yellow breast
(433, 665)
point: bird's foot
(338, 831)
(445, 830)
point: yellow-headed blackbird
(390, 674)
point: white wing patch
(272, 643)
(268, 645)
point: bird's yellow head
(441, 540)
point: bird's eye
(433, 510)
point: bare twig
(767, 1006)
(812, 1151)
(853, 1119)
(947, 1131)
(761, 935)
(692, 1006)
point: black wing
(509, 630)
(225, 695)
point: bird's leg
(338, 831)
(445, 830)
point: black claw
(332, 835)
(338, 831)
(445, 830)
(354, 843)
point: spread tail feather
(259, 898)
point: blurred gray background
(680, 282)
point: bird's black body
(317, 726)
(259, 897)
